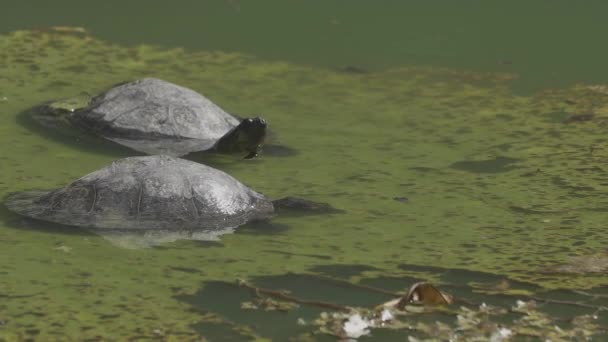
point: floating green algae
(363, 139)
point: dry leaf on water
(424, 293)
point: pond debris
(470, 322)
(386, 316)
(268, 304)
(424, 293)
(421, 293)
(501, 334)
(259, 292)
(63, 248)
(356, 326)
(583, 264)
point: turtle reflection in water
(160, 195)
(158, 117)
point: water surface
(447, 169)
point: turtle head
(248, 137)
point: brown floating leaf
(391, 304)
(424, 293)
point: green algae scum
(444, 175)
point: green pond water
(464, 142)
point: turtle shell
(152, 192)
(156, 117)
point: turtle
(156, 117)
(155, 193)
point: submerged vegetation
(492, 182)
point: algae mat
(435, 167)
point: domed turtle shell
(153, 192)
(158, 117)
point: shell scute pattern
(154, 192)
(156, 107)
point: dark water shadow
(496, 165)
(72, 136)
(469, 288)
(218, 160)
(462, 277)
(225, 300)
(262, 227)
(341, 271)
(278, 151)
(291, 206)
(562, 304)
(15, 221)
(287, 256)
(131, 239)
(271, 227)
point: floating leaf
(269, 304)
(424, 293)
(248, 306)
(356, 326)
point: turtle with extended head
(158, 193)
(158, 117)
